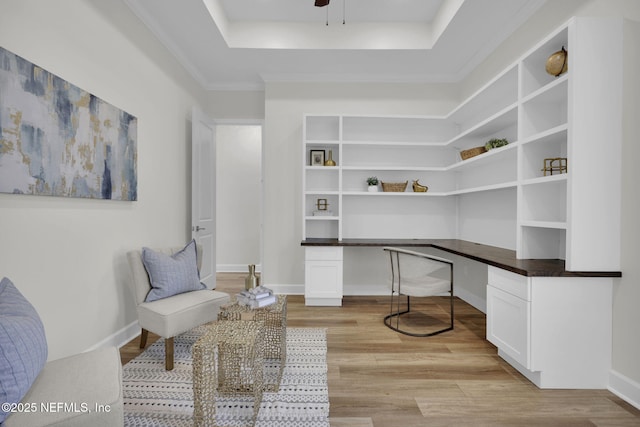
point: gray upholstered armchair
(172, 315)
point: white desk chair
(415, 274)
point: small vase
(373, 189)
(252, 281)
(329, 161)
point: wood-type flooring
(380, 378)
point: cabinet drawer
(323, 253)
(512, 283)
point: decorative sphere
(557, 63)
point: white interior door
(203, 192)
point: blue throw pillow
(172, 274)
(23, 345)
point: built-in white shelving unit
(554, 328)
(542, 116)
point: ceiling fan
(322, 3)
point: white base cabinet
(323, 276)
(555, 330)
(508, 316)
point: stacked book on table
(256, 297)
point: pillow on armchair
(23, 345)
(172, 274)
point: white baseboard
(625, 388)
(286, 289)
(471, 299)
(369, 290)
(236, 268)
(119, 338)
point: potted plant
(495, 143)
(372, 183)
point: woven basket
(472, 152)
(398, 187)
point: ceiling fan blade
(321, 3)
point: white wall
(626, 316)
(238, 196)
(238, 104)
(67, 256)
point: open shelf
(547, 110)
(500, 94)
(374, 168)
(543, 243)
(545, 224)
(544, 203)
(389, 156)
(399, 129)
(502, 124)
(394, 194)
(483, 188)
(490, 156)
(322, 218)
(534, 75)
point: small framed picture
(316, 157)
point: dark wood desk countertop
(491, 255)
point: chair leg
(451, 307)
(143, 338)
(168, 353)
(398, 314)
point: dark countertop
(491, 255)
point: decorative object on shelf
(316, 158)
(396, 187)
(322, 208)
(556, 165)
(419, 188)
(472, 152)
(329, 161)
(251, 281)
(557, 63)
(495, 143)
(372, 183)
(322, 204)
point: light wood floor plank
(380, 378)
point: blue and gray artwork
(59, 140)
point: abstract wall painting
(59, 140)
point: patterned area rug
(155, 397)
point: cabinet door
(323, 283)
(508, 320)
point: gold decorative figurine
(419, 188)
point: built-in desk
(490, 255)
(551, 324)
